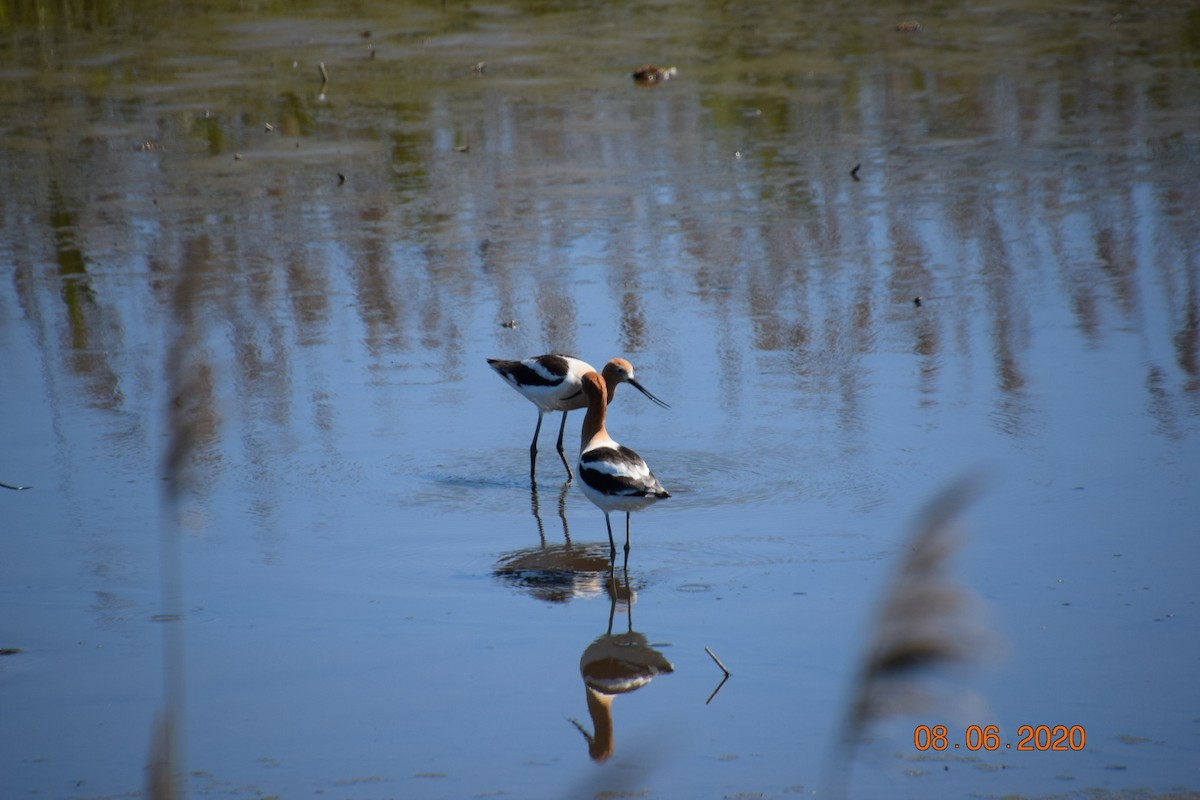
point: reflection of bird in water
(612, 476)
(555, 573)
(536, 509)
(551, 382)
(613, 665)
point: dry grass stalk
(191, 423)
(162, 777)
(926, 625)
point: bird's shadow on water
(478, 480)
(458, 483)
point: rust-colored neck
(601, 744)
(597, 409)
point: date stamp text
(1069, 738)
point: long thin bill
(646, 392)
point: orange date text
(1066, 738)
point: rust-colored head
(595, 386)
(621, 371)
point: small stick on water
(714, 691)
(15, 488)
(854, 172)
(713, 656)
(324, 78)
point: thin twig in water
(713, 656)
(15, 488)
(714, 691)
(324, 79)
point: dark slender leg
(626, 541)
(612, 545)
(613, 593)
(533, 448)
(561, 428)
(629, 605)
(562, 510)
(537, 511)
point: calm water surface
(279, 496)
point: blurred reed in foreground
(191, 427)
(928, 629)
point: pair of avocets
(611, 475)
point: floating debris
(908, 26)
(651, 74)
(268, 127)
(854, 172)
(511, 323)
(15, 488)
(479, 67)
(917, 301)
(713, 656)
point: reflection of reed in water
(615, 664)
(555, 573)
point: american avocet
(611, 475)
(551, 382)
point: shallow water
(341, 582)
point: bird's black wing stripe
(555, 363)
(620, 455)
(610, 484)
(528, 376)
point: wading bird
(611, 475)
(552, 383)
